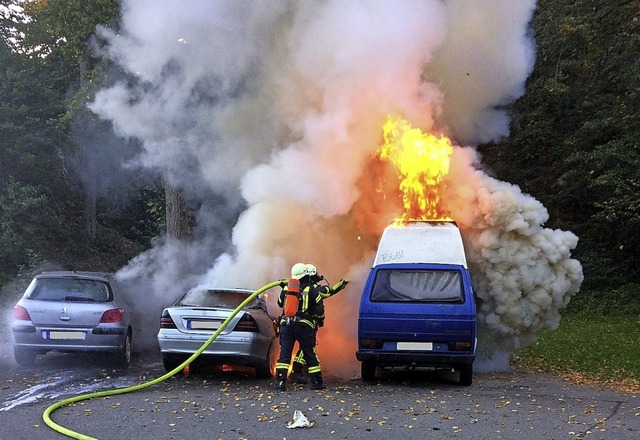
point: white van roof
(436, 242)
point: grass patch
(589, 348)
(610, 301)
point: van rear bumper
(413, 358)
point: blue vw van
(417, 307)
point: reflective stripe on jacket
(310, 305)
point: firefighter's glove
(283, 283)
(321, 323)
(337, 287)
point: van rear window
(417, 286)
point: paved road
(235, 405)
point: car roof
(229, 289)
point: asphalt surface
(233, 404)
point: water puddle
(59, 387)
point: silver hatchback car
(250, 338)
(70, 311)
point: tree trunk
(179, 220)
(90, 221)
(90, 190)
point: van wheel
(466, 374)
(368, 371)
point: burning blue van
(417, 308)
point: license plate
(203, 325)
(423, 346)
(63, 335)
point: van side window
(417, 286)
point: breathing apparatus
(315, 278)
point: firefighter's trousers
(306, 337)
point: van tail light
(21, 313)
(371, 344)
(247, 324)
(166, 321)
(460, 346)
(112, 315)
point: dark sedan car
(250, 338)
(72, 312)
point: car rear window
(215, 298)
(69, 289)
(417, 286)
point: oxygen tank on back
(291, 298)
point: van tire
(368, 371)
(466, 374)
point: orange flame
(421, 161)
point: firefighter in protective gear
(298, 271)
(311, 270)
(301, 328)
(299, 364)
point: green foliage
(17, 203)
(31, 179)
(574, 141)
(41, 196)
(31, 97)
(65, 25)
(141, 217)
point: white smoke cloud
(523, 273)
(482, 65)
(278, 106)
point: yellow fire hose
(69, 433)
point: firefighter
(299, 364)
(300, 327)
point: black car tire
(263, 371)
(24, 356)
(123, 359)
(466, 374)
(368, 371)
(171, 362)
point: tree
(42, 198)
(574, 141)
(32, 186)
(179, 221)
(67, 27)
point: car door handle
(65, 318)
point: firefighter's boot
(281, 380)
(297, 373)
(316, 382)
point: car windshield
(417, 286)
(68, 289)
(225, 299)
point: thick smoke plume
(268, 114)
